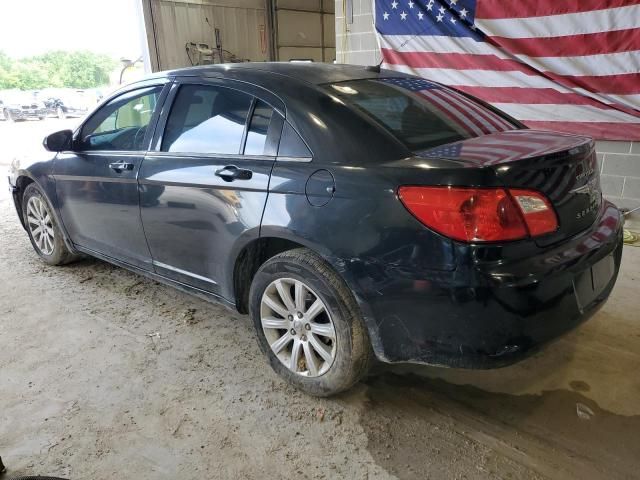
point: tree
(80, 69)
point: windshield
(419, 113)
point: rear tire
(43, 229)
(332, 348)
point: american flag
(571, 66)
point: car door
(205, 184)
(96, 183)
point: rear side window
(258, 129)
(419, 113)
(291, 144)
(206, 119)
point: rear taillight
(537, 211)
(480, 214)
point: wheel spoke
(49, 230)
(295, 355)
(314, 309)
(48, 243)
(43, 209)
(282, 342)
(273, 322)
(32, 210)
(323, 350)
(323, 329)
(285, 295)
(310, 359)
(275, 306)
(301, 295)
(32, 220)
(36, 231)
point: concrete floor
(104, 374)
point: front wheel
(8, 116)
(44, 232)
(61, 113)
(308, 323)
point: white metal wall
(172, 23)
(305, 29)
(301, 29)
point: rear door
(96, 182)
(205, 184)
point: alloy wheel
(40, 225)
(298, 327)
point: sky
(31, 27)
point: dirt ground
(105, 374)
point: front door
(207, 183)
(96, 183)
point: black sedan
(354, 213)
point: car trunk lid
(561, 166)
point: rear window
(419, 113)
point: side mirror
(59, 141)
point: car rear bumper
(27, 114)
(497, 312)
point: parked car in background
(354, 213)
(63, 103)
(19, 105)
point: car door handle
(231, 173)
(120, 166)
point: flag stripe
(627, 83)
(604, 64)
(539, 95)
(620, 18)
(572, 45)
(607, 64)
(567, 113)
(610, 131)
(454, 60)
(458, 66)
(539, 8)
(528, 95)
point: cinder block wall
(619, 161)
(620, 173)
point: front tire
(43, 229)
(308, 323)
(8, 116)
(61, 114)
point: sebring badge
(590, 188)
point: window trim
(151, 127)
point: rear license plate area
(591, 282)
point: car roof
(308, 72)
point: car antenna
(375, 68)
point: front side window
(122, 123)
(206, 119)
(419, 113)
